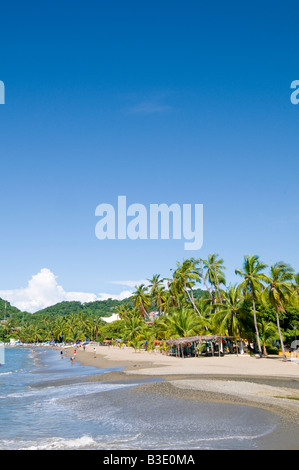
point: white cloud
(43, 291)
(123, 295)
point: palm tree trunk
(280, 335)
(203, 278)
(265, 349)
(241, 342)
(217, 284)
(191, 298)
(256, 327)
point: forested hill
(98, 308)
(10, 310)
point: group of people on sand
(72, 358)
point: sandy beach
(268, 382)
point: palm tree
(94, 327)
(252, 284)
(175, 294)
(157, 291)
(141, 297)
(161, 298)
(124, 311)
(268, 334)
(186, 275)
(182, 323)
(154, 284)
(279, 290)
(134, 328)
(230, 318)
(294, 298)
(214, 275)
(59, 328)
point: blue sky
(165, 102)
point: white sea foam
(135, 442)
(58, 443)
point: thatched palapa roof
(194, 339)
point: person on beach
(95, 352)
(61, 354)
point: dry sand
(157, 364)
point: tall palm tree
(161, 298)
(175, 293)
(230, 318)
(214, 275)
(141, 297)
(278, 290)
(253, 275)
(156, 290)
(187, 275)
(154, 284)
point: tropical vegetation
(261, 311)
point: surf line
(113, 224)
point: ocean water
(39, 411)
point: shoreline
(225, 379)
(261, 383)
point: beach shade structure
(187, 346)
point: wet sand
(267, 383)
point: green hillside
(10, 310)
(98, 308)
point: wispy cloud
(131, 283)
(149, 107)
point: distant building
(113, 317)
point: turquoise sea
(48, 403)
